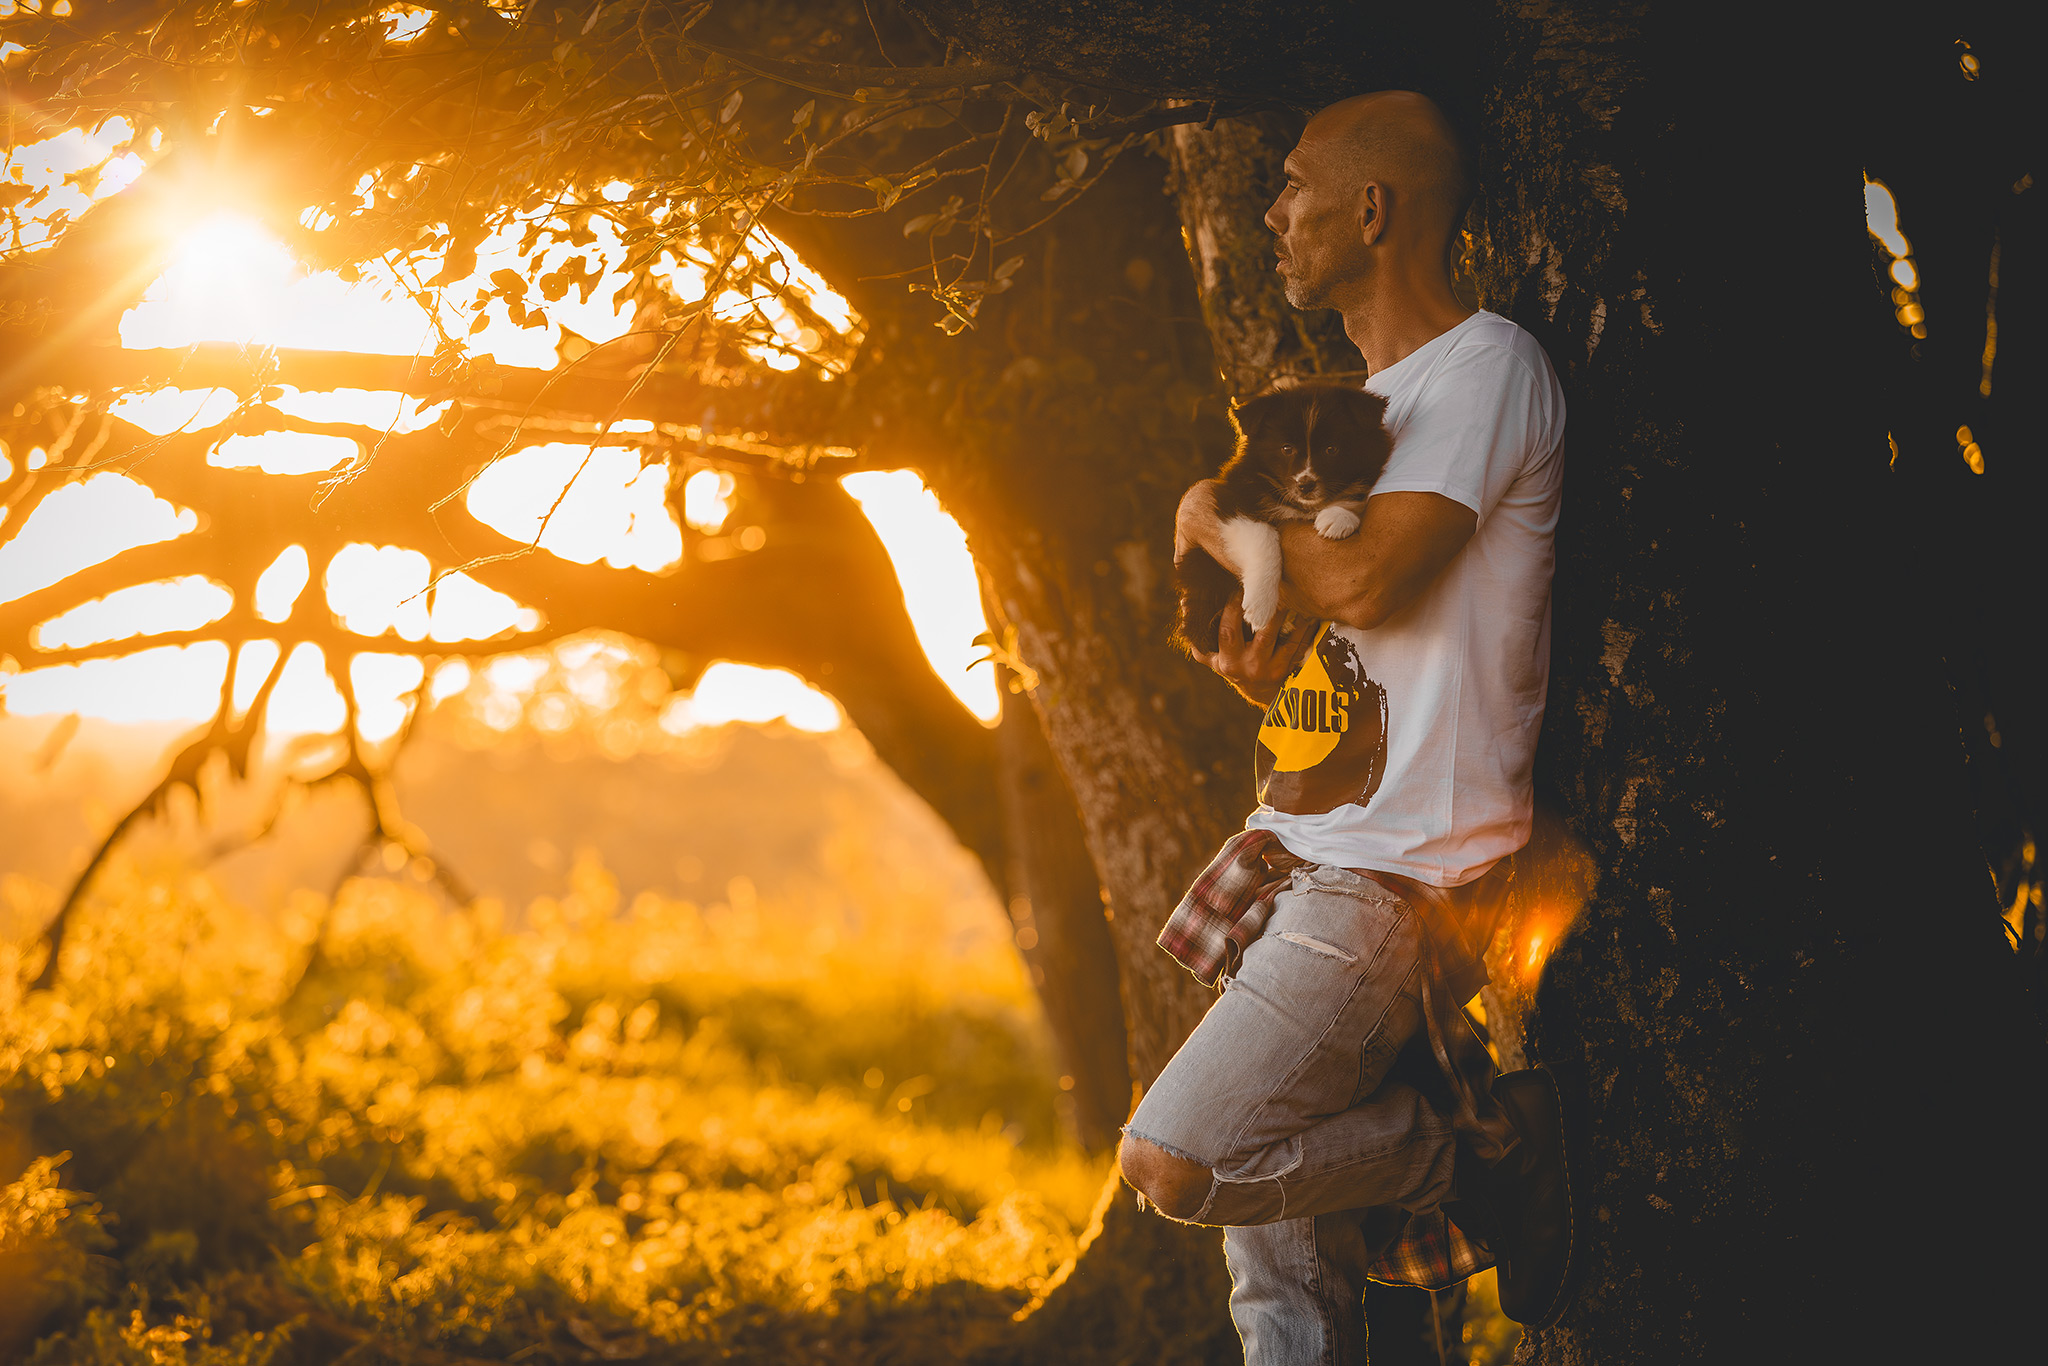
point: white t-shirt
(1409, 748)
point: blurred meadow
(807, 1112)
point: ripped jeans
(1283, 1091)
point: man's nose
(1276, 220)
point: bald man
(1334, 1110)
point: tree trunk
(1061, 431)
(1224, 178)
(1761, 763)
(1765, 805)
(1057, 909)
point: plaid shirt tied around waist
(1228, 907)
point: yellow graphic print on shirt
(1324, 740)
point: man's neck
(1392, 320)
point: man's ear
(1372, 211)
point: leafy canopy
(411, 135)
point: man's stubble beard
(1302, 290)
(1297, 291)
(1301, 294)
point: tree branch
(851, 81)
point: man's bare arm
(1404, 541)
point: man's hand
(1258, 667)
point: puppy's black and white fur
(1308, 454)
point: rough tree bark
(1061, 431)
(1055, 898)
(1223, 180)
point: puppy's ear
(1253, 414)
(1371, 407)
(1364, 412)
(1361, 406)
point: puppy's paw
(1261, 604)
(1335, 523)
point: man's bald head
(1403, 140)
(1378, 183)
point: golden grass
(662, 1133)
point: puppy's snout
(1307, 482)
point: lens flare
(707, 500)
(1554, 880)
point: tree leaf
(731, 106)
(1009, 267)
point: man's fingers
(1231, 637)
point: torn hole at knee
(1317, 946)
(1176, 1183)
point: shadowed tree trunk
(1056, 909)
(1788, 1009)
(1061, 431)
(1223, 180)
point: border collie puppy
(1307, 454)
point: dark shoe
(1530, 1195)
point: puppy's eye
(1287, 450)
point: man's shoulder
(1489, 336)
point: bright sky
(231, 279)
(938, 578)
